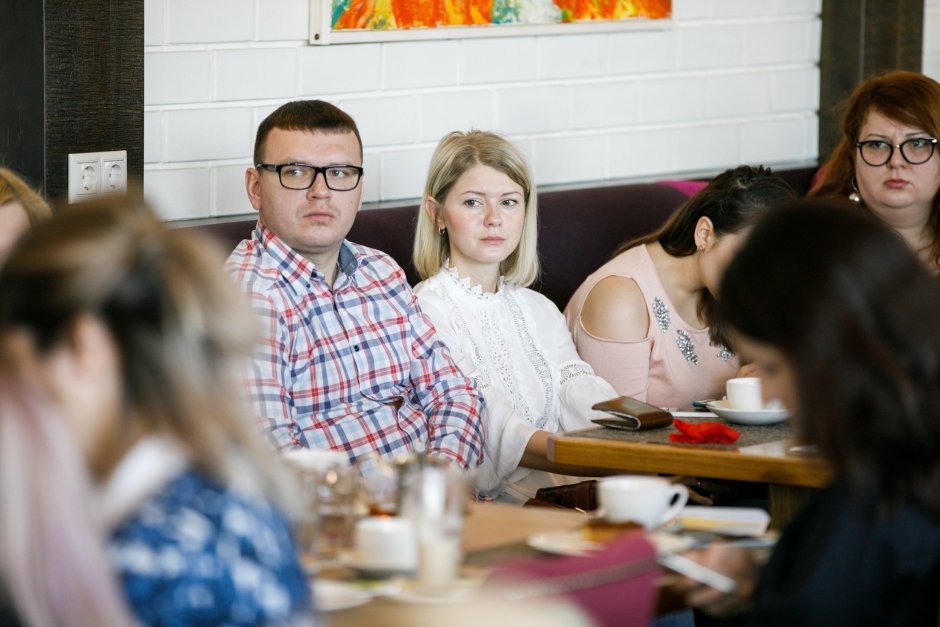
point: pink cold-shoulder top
(674, 365)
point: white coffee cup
(745, 394)
(649, 501)
(385, 544)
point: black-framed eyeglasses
(339, 178)
(917, 150)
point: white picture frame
(322, 33)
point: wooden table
(762, 454)
(492, 533)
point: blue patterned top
(198, 553)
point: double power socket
(93, 174)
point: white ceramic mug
(385, 544)
(745, 394)
(649, 501)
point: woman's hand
(748, 370)
(740, 564)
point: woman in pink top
(642, 319)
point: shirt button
(356, 348)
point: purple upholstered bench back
(579, 229)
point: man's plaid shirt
(356, 368)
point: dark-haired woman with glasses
(887, 161)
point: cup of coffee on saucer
(744, 393)
(646, 500)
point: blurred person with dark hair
(841, 320)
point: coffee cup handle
(681, 494)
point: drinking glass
(434, 496)
(330, 491)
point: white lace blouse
(516, 345)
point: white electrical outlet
(95, 173)
(114, 171)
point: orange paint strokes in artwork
(654, 9)
(386, 14)
(427, 13)
(614, 9)
(360, 14)
(418, 13)
(470, 12)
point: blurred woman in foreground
(843, 324)
(122, 442)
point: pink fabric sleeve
(625, 365)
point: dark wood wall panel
(861, 38)
(21, 97)
(94, 90)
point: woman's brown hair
(907, 97)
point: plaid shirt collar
(293, 265)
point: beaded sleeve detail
(570, 372)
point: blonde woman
(20, 209)
(123, 447)
(475, 246)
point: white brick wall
(931, 64)
(730, 81)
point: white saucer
(330, 595)
(353, 561)
(573, 543)
(748, 417)
(460, 592)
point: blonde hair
(182, 331)
(456, 153)
(53, 567)
(14, 189)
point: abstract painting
(435, 19)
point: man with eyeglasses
(348, 362)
